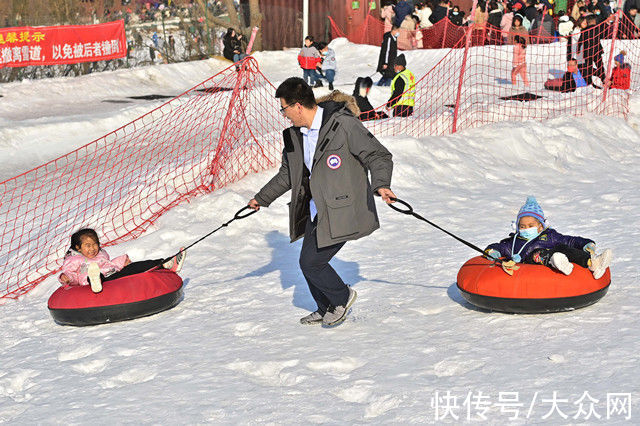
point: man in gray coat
(327, 156)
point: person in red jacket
(621, 74)
(309, 59)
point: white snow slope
(412, 350)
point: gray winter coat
(345, 152)
(329, 60)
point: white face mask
(363, 92)
(529, 233)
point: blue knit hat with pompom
(531, 208)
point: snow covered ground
(412, 351)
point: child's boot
(93, 272)
(169, 263)
(175, 263)
(560, 261)
(600, 263)
(179, 260)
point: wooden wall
(282, 21)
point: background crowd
(502, 20)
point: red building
(282, 20)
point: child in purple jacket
(87, 263)
(536, 243)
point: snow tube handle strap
(409, 209)
(239, 216)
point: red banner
(23, 46)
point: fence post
(462, 68)
(614, 36)
(544, 12)
(444, 34)
(254, 32)
(484, 34)
(227, 125)
(365, 27)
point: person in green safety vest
(403, 89)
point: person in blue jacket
(570, 80)
(536, 243)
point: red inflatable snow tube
(122, 299)
(532, 289)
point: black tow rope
(410, 211)
(236, 216)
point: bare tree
(255, 20)
(64, 11)
(235, 20)
(41, 12)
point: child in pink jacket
(86, 261)
(519, 60)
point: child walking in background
(309, 58)
(536, 243)
(329, 64)
(519, 60)
(86, 262)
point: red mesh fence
(481, 80)
(369, 32)
(229, 126)
(441, 35)
(445, 34)
(211, 135)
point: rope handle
(404, 203)
(239, 216)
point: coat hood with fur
(341, 98)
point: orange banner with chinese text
(70, 44)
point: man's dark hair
(296, 90)
(322, 45)
(394, 27)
